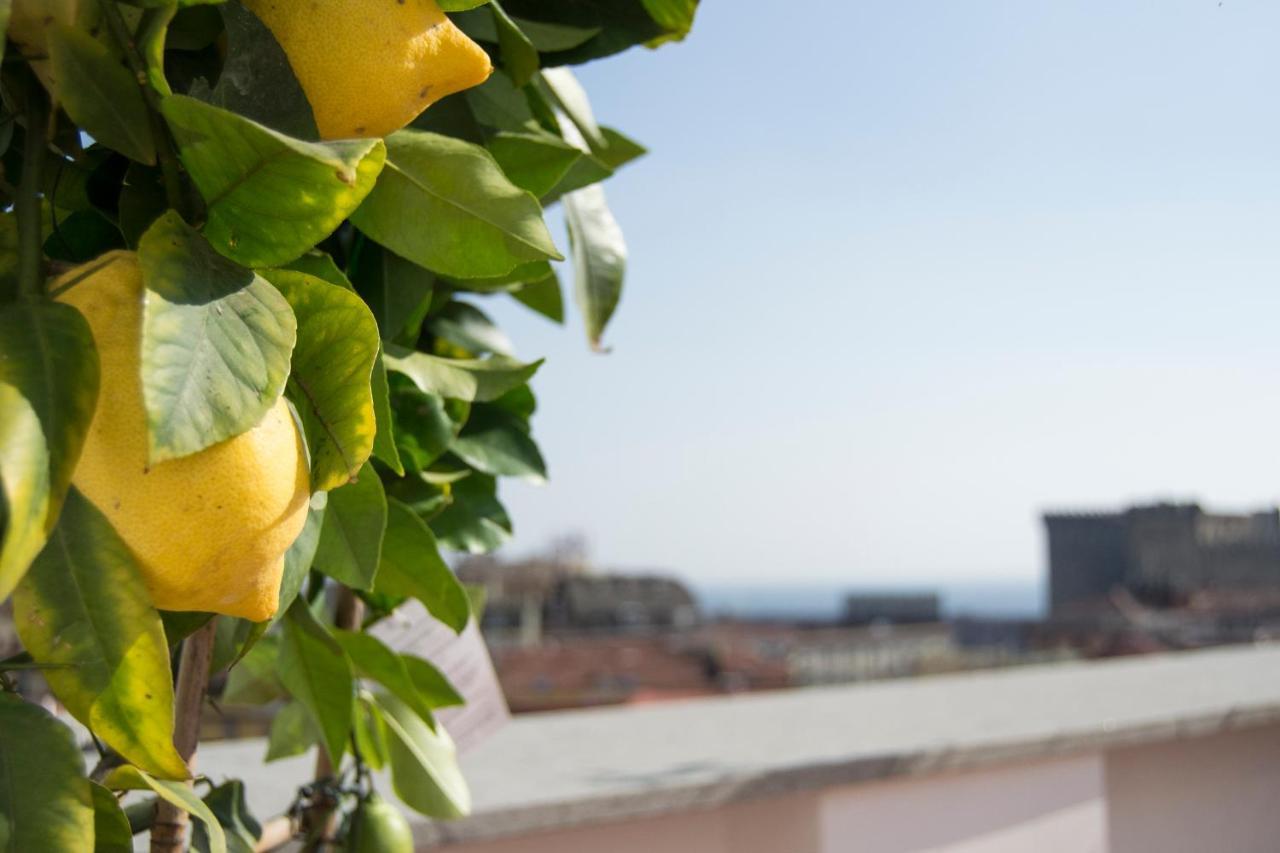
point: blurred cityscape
(566, 634)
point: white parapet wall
(1167, 753)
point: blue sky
(905, 274)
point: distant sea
(1011, 599)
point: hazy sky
(903, 274)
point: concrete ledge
(561, 770)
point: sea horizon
(821, 601)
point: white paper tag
(464, 660)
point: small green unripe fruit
(379, 828)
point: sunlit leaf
(462, 379)
(84, 605)
(331, 368)
(216, 342)
(269, 197)
(424, 763)
(176, 793)
(445, 204)
(599, 258)
(48, 387)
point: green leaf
(567, 94)
(142, 200)
(497, 103)
(46, 803)
(466, 326)
(384, 443)
(255, 679)
(83, 236)
(150, 37)
(462, 379)
(48, 388)
(675, 16)
(316, 672)
(227, 803)
(424, 763)
(586, 170)
(329, 382)
(426, 424)
(111, 832)
(544, 297)
(599, 258)
(176, 793)
(412, 566)
(620, 24)
(533, 161)
(531, 271)
(84, 605)
(216, 341)
(292, 732)
(474, 521)
(397, 291)
(619, 149)
(446, 205)
(549, 38)
(178, 625)
(461, 5)
(374, 660)
(519, 56)
(431, 683)
(497, 442)
(256, 80)
(371, 733)
(351, 538)
(100, 94)
(269, 197)
(298, 559)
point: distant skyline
(905, 275)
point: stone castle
(1164, 555)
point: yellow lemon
(369, 67)
(209, 530)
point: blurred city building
(1162, 576)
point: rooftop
(579, 767)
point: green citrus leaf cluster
(202, 281)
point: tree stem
(319, 820)
(27, 203)
(165, 154)
(168, 833)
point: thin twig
(27, 204)
(168, 834)
(165, 152)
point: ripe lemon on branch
(209, 530)
(369, 67)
